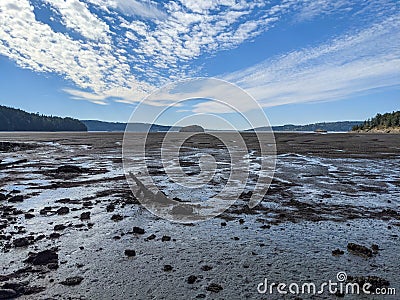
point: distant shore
(379, 130)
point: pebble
(21, 242)
(130, 253)
(215, 288)
(165, 238)
(191, 279)
(71, 281)
(59, 227)
(62, 210)
(337, 252)
(43, 258)
(359, 249)
(117, 217)
(85, 215)
(138, 230)
(168, 268)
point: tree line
(380, 121)
(12, 119)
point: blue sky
(303, 61)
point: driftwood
(148, 195)
(161, 198)
(5, 165)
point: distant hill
(388, 123)
(342, 126)
(192, 128)
(93, 125)
(12, 119)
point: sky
(303, 61)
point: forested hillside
(381, 122)
(12, 119)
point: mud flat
(71, 229)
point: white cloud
(127, 47)
(76, 16)
(351, 64)
(311, 9)
(34, 45)
(144, 9)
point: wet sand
(329, 190)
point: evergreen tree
(380, 121)
(12, 119)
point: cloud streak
(348, 65)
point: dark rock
(62, 211)
(117, 218)
(17, 198)
(241, 221)
(42, 258)
(214, 287)
(223, 223)
(168, 268)
(68, 201)
(374, 281)
(85, 216)
(246, 195)
(389, 212)
(337, 252)
(130, 253)
(191, 279)
(206, 268)
(29, 216)
(59, 227)
(165, 238)
(87, 204)
(45, 210)
(21, 242)
(151, 237)
(30, 290)
(138, 230)
(110, 207)
(8, 294)
(18, 287)
(54, 235)
(2, 197)
(69, 169)
(359, 249)
(375, 247)
(40, 237)
(201, 296)
(71, 281)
